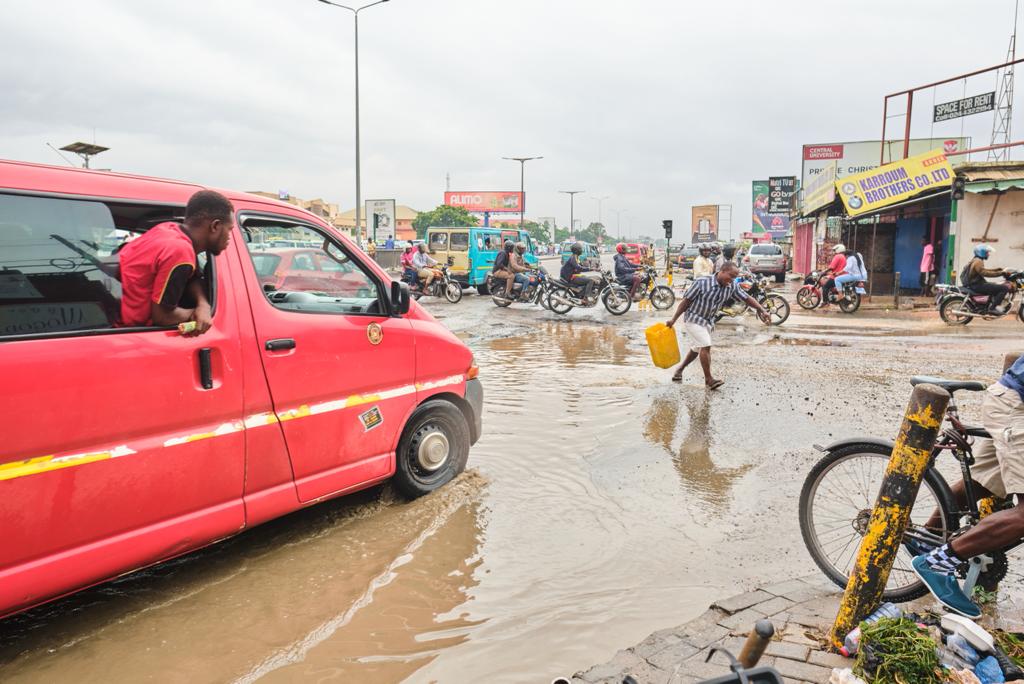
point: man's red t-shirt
(155, 267)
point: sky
(657, 105)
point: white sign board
(854, 157)
(380, 220)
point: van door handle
(280, 344)
(205, 371)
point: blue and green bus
(470, 251)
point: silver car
(767, 259)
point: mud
(603, 503)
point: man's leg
(635, 284)
(705, 364)
(690, 356)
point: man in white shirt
(422, 262)
(703, 265)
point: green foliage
(443, 215)
(1012, 644)
(561, 234)
(539, 233)
(897, 651)
(592, 232)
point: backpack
(965, 274)
(501, 261)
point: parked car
(126, 446)
(768, 259)
(686, 257)
(634, 253)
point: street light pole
(599, 200)
(359, 191)
(618, 222)
(572, 208)
(522, 186)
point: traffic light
(959, 183)
(667, 225)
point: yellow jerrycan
(664, 346)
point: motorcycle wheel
(1020, 312)
(484, 288)
(662, 297)
(616, 300)
(500, 300)
(850, 304)
(416, 294)
(950, 311)
(542, 299)
(556, 306)
(778, 308)
(453, 292)
(808, 297)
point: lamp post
(572, 208)
(355, 13)
(522, 185)
(599, 200)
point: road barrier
(907, 464)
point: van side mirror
(399, 298)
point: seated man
(424, 263)
(974, 275)
(517, 264)
(573, 272)
(502, 268)
(625, 272)
(160, 278)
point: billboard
(772, 202)
(380, 219)
(821, 192)
(781, 194)
(759, 198)
(486, 201)
(704, 222)
(964, 107)
(856, 157)
(865, 192)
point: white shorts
(999, 462)
(697, 335)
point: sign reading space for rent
(965, 107)
(895, 182)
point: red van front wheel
(433, 450)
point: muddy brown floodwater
(602, 503)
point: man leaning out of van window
(161, 282)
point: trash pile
(893, 648)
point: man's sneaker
(945, 588)
(918, 547)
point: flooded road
(602, 503)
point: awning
(913, 200)
(1001, 185)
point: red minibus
(126, 446)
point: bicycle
(832, 535)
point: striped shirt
(706, 298)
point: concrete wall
(1006, 233)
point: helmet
(984, 251)
(704, 247)
(576, 248)
(840, 248)
(620, 248)
(507, 245)
(520, 247)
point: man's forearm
(198, 292)
(680, 310)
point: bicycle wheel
(835, 507)
(808, 297)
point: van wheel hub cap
(433, 451)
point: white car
(768, 259)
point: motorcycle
(809, 296)
(960, 305)
(661, 296)
(756, 287)
(442, 286)
(535, 292)
(562, 296)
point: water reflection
(698, 473)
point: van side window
(320, 277)
(460, 242)
(438, 242)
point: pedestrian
(389, 243)
(927, 266)
(371, 249)
(161, 283)
(700, 305)
(703, 265)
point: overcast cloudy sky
(659, 104)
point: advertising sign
(781, 191)
(821, 192)
(890, 184)
(380, 219)
(486, 201)
(855, 157)
(965, 107)
(704, 222)
(759, 196)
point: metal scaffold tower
(1003, 114)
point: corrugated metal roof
(991, 171)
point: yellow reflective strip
(41, 465)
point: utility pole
(522, 185)
(599, 200)
(618, 222)
(1003, 116)
(572, 208)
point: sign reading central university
(865, 192)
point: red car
(126, 446)
(634, 253)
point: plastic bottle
(960, 646)
(852, 641)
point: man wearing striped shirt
(701, 305)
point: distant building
(328, 211)
(404, 217)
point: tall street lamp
(522, 185)
(599, 200)
(572, 209)
(618, 221)
(359, 191)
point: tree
(443, 215)
(592, 232)
(561, 234)
(539, 233)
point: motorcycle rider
(836, 268)
(572, 271)
(408, 272)
(974, 274)
(703, 265)
(503, 266)
(625, 272)
(518, 266)
(855, 272)
(424, 263)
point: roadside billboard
(821, 191)
(487, 201)
(704, 223)
(380, 219)
(856, 157)
(759, 199)
(865, 192)
(772, 204)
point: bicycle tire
(932, 480)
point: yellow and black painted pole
(881, 543)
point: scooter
(661, 296)
(562, 296)
(535, 292)
(756, 287)
(959, 305)
(441, 286)
(809, 296)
